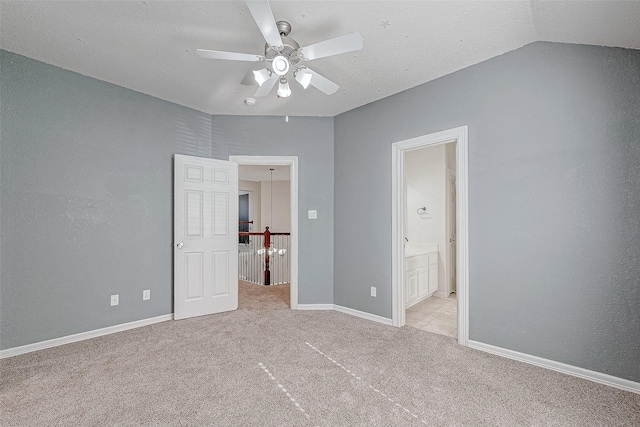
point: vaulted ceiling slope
(149, 46)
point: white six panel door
(205, 236)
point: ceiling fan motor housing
(288, 52)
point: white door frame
(459, 135)
(292, 162)
(449, 225)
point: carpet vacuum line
(380, 393)
(284, 390)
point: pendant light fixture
(271, 199)
(272, 250)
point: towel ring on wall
(422, 211)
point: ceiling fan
(285, 55)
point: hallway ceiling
(263, 173)
(149, 46)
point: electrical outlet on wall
(115, 299)
(373, 291)
(417, 230)
(146, 294)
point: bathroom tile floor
(437, 315)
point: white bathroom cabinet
(420, 277)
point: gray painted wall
(554, 196)
(311, 139)
(86, 197)
(86, 200)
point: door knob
(179, 245)
(452, 240)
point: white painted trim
(448, 225)
(292, 162)
(397, 233)
(363, 315)
(575, 371)
(315, 307)
(15, 351)
(462, 235)
(460, 135)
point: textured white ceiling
(263, 173)
(148, 46)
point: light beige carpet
(265, 365)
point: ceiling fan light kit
(285, 54)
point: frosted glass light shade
(262, 76)
(303, 77)
(283, 89)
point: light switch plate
(313, 214)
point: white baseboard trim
(15, 351)
(314, 307)
(575, 371)
(362, 314)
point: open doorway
(442, 262)
(264, 242)
(429, 175)
(268, 259)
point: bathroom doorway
(429, 229)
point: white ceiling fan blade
(266, 86)
(342, 44)
(229, 56)
(322, 83)
(261, 12)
